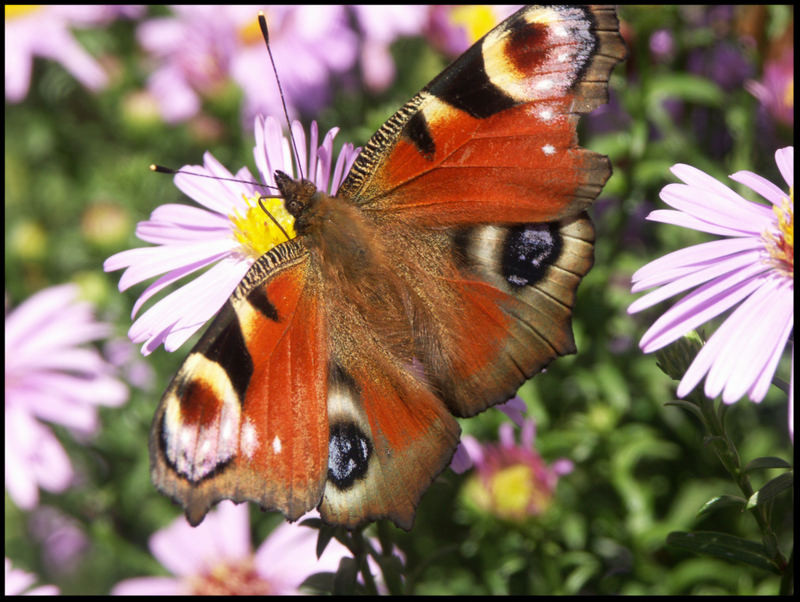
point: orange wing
(493, 137)
(245, 417)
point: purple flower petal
(698, 307)
(784, 157)
(760, 185)
(673, 265)
(684, 220)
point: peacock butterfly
(438, 279)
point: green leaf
(345, 580)
(690, 88)
(324, 537)
(771, 489)
(766, 462)
(722, 545)
(392, 571)
(721, 501)
(686, 405)
(319, 583)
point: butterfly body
(439, 277)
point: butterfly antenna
(168, 170)
(272, 217)
(262, 21)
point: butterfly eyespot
(528, 251)
(349, 451)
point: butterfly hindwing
(245, 417)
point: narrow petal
(679, 218)
(760, 185)
(147, 262)
(692, 278)
(715, 209)
(765, 377)
(766, 345)
(25, 319)
(699, 307)
(704, 254)
(192, 305)
(174, 276)
(724, 198)
(784, 157)
(742, 333)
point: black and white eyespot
(528, 251)
(515, 256)
(349, 451)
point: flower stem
(359, 548)
(713, 419)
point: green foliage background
(642, 469)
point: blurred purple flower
(662, 45)
(194, 50)
(380, 25)
(134, 369)
(216, 558)
(62, 539)
(512, 480)
(18, 581)
(41, 30)
(310, 44)
(775, 91)
(753, 267)
(202, 47)
(51, 376)
(453, 29)
(722, 63)
(229, 235)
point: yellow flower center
(20, 10)
(512, 489)
(230, 579)
(476, 20)
(788, 93)
(255, 231)
(780, 244)
(250, 33)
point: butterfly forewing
(245, 417)
(493, 137)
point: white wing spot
(546, 114)
(249, 440)
(544, 84)
(549, 149)
(276, 445)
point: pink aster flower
(18, 582)
(51, 375)
(514, 408)
(216, 557)
(380, 25)
(193, 50)
(453, 29)
(512, 479)
(201, 48)
(310, 45)
(751, 269)
(775, 91)
(226, 236)
(40, 30)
